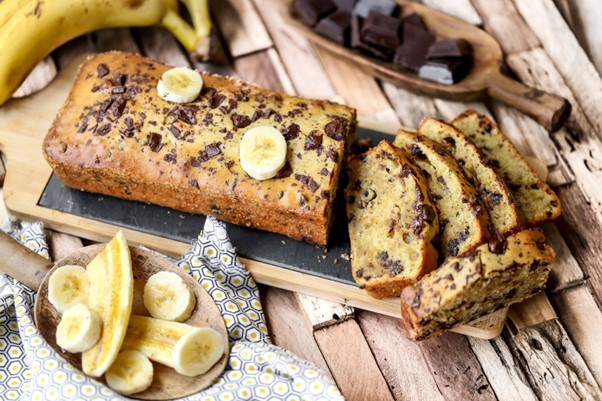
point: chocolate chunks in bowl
(414, 19)
(345, 5)
(450, 48)
(446, 70)
(336, 27)
(313, 10)
(412, 54)
(363, 8)
(381, 30)
(357, 43)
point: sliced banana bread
(536, 200)
(489, 278)
(503, 209)
(464, 221)
(392, 221)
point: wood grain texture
(351, 362)
(502, 20)
(240, 25)
(531, 311)
(462, 9)
(258, 68)
(288, 327)
(411, 108)
(159, 44)
(502, 369)
(321, 313)
(62, 244)
(571, 60)
(582, 318)
(552, 364)
(566, 272)
(115, 39)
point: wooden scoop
(484, 79)
(34, 271)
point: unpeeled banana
(30, 30)
(189, 350)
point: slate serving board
(331, 262)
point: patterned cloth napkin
(256, 370)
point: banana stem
(185, 34)
(201, 20)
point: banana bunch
(31, 29)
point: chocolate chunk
(384, 7)
(216, 100)
(170, 158)
(417, 153)
(174, 130)
(313, 10)
(291, 132)
(381, 30)
(453, 246)
(154, 141)
(285, 171)
(414, 19)
(333, 154)
(213, 149)
(102, 70)
(356, 40)
(336, 27)
(240, 121)
(495, 198)
(416, 300)
(345, 5)
(412, 53)
(118, 79)
(324, 172)
(103, 130)
(313, 141)
(186, 114)
(336, 129)
(445, 70)
(307, 180)
(498, 246)
(450, 48)
(119, 106)
(194, 183)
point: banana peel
(31, 29)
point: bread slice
(392, 221)
(536, 200)
(489, 278)
(503, 209)
(463, 219)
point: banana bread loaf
(537, 201)
(464, 221)
(392, 221)
(503, 209)
(114, 135)
(486, 279)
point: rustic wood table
(550, 347)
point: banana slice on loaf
(392, 221)
(503, 208)
(464, 221)
(536, 200)
(464, 288)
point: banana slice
(180, 85)
(79, 329)
(68, 286)
(262, 152)
(197, 351)
(167, 297)
(131, 373)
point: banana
(173, 344)
(262, 152)
(30, 30)
(180, 85)
(111, 296)
(131, 373)
(68, 286)
(197, 351)
(79, 329)
(167, 297)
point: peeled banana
(180, 85)
(79, 329)
(166, 296)
(189, 350)
(262, 152)
(30, 30)
(68, 286)
(111, 296)
(131, 373)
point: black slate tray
(331, 262)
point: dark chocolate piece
(384, 7)
(381, 30)
(336, 27)
(313, 10)
(412, 53)
(414, 19)
(450, 48)
(345, 5)
(356, 40)
(446, 70)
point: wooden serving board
(272, 259)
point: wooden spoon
(484, 79)
(34, 271)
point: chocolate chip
(333, 154)
(213, 149)
(174, 130)
(103, 130)
(186, 114)
(216, 100)
(498, 246)
(453, 246)
(416, 300)
(119, 106)
(307, 180)
(194, 183)
(336, 128)
(154, 141)
(118, 79)
(417, 153)
(406, 170)
(359, 273)
(240, 121)
(170, 158)
(285, 171)
(324, 171)
(495, 198)
(291, 132)
(313, 141)
(102, 70)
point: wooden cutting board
(272, 259)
